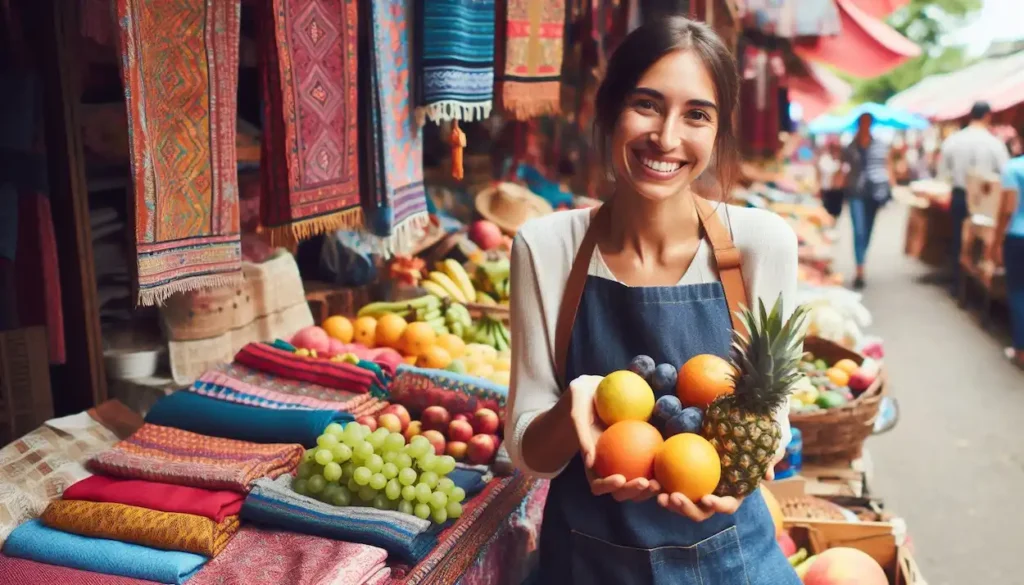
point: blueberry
(643, 366)
(687, 421)
(664, 379)
(667, 407)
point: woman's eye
(643, 104)
(700, 115)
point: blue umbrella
(884, 116)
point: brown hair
(642, 49)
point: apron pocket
(712, 561)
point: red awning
(866, 47)
(880, 8)
(998, 81)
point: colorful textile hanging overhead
(309, 160)
(395, 197)
(180, 71)
(455, 46)
(533, 37)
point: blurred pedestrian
(974, 148)
(868, 186)
(1007, 250)
(828, 166)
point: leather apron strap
(727, 259)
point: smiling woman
(656, 271)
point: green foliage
(926, 22)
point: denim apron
(593, 540)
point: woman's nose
(668, 136)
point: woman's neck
(652, 230)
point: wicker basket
(838, 434)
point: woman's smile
(657, 167)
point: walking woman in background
(1009, 252)
(642, 275)
(868, 187)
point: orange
(453, 344)
(435, 357)
(837, 376)
(418, 337)
(410, 359)
(704, 378)
(774, 508)
(390, 328)
(627, 448)
(365, 332)
(847, 365)
(339, 328)
(688, 464)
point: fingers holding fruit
(634, 490)
(584, 419)
(700, 510)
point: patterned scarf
(397, 202)
(309, 159)
(179, 67)
(337, 375)
(534, 32)
(174, 456)
(455, 40)
(152, 528)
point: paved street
(954, 467)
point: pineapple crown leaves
(767, 356)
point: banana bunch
(449, 280)
(427, 309)
(492, 278)
(489, 331)
(457, 319)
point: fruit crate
(877, 539)
(837, 434)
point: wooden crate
(26, 400)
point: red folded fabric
(338, 375)
(164, 497)
(26, 572)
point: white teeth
(660, 165)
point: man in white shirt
(973, 148)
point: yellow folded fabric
(163, 530)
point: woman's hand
(707, 506)
(588, 429)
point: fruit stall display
(712, 429)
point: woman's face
(666, 132)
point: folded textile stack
(168, 455)
(194, 412)
(268, 557)
(244, 385)
(285, 364)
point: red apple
(485, 234)
(435, 418)
(368, 421)
(312, 337)
(845, 566)
(460, 430)
(462, 416)
(457, 449)
(485, 422)
(401, 412)
(786, 544)
(336, 347)
(390, 421)
(415, 427)
(860, 381)
(497, 441)
(480, 450)
(437, 440)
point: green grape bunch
(353, 466)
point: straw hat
(509, 205)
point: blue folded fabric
(217, 418)
(36, 542)
(272, 503)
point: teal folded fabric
(36, 542)
(218, 418)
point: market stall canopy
(885, 116)
(880, 8)
(791, 18)
(998, 81)
(819, 91)
(866, 47)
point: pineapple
(741, 425)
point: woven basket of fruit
(836, 405)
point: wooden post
(81, 382)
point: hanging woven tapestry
(396, 199)
(179, 64)
(534, 32)
(309, 159)
(455, 46)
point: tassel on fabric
(457, 140)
